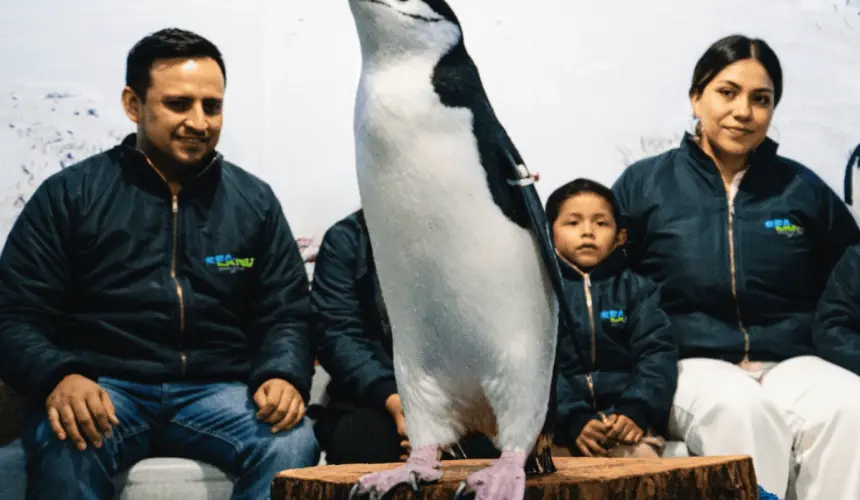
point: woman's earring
(693, 127)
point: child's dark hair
(579, 186)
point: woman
(362, 422)
(742, 241)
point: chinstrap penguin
(462, 249)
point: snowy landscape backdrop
(584, 88)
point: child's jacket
(632, 347)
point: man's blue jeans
(213, 423)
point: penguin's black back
(457, 82)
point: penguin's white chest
(411, 149)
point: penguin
(463, 251)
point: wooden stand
(730, 477)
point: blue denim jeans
(213, 423)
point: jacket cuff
(577, 423)
(378, 392)
(299, 383)
(46, 384)
(638, 415)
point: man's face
(180, 119)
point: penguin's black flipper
(850, 172)
(526, 196)
(457, 82)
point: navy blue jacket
(632, 343)
(105, 274)
(837, 325)
(748, 284)
(351, 337)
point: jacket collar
(208, 175)
(613, 264)
(764, 154)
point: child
(617, 402)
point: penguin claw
(355, 491)
(460, 494)
(413, 481)
(376, 485)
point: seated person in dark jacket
(362, 421)
(836, 334)
(153, 299)
(616, 403)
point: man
(153, 299)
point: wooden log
(727, 477)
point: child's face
(585, 231)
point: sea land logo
(228, 263)
(614, 316)
(784, 227)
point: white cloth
(804, 404)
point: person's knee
(57, 467)
(40, 443)
(747, 415)
(289, 449)
(744, 409)
(844, 422)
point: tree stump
(728, 477)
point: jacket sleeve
(836, 334)
(344, 345)
(837, 230)
(648, 398)
(627, 190)
(280, 308)
(573, 399)
(34, 276)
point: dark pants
(368, 436)
(213, 423)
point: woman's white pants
(801, 415)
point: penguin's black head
(440, 7)
(389, 28)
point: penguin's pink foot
(421, 467)
(504, 480)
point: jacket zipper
(586, 284)
(730, 197)
(175, 278)
(174, 193)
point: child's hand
(591, 438)
(623, 430)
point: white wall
(582, 87)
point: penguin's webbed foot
(504, 480)
(421, 467)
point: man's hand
(280, 404)
(623, 430)
(591, 439)
(78, 404)
(394, 408)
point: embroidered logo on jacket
(784, 226)
(615, 316)
(229, 263)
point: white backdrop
(583, 88)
